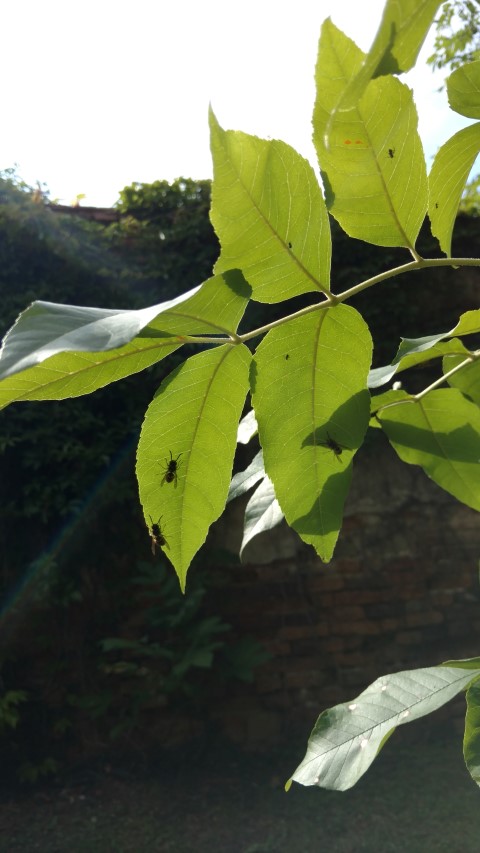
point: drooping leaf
(451, 167)
(58, 351)
(312, 406)
(261, 513)
(441, 433)
(463, 89)
(467, 379)
(396, 46)
(245, 480)
(471, 739)
(269, 215)
(347, 738)
(413, 352)
(371, 155)
(247, 428)
(193, 418)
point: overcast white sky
(102, 93)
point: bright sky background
(100, 93)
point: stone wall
(402, 591)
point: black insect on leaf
(170, 471)
(156, 535)
(391, 153)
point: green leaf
(471, 739)
(441, 433)
(451, 167)
(312, 407)
(467, 379)
(370, 155)
(347, 738)
(468, 324)
(195, 413)
(58, 351)
(463, 89)
(72, 374)
(269, 214)
(396, 46)
(214, 308)
(261, 513)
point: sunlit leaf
(402, 31)
(468, 324)
(372, 161)
(347, 738)
(194, 417)
(261, 513)
(312, 407)
(269, 215)
(463, 89)
(451, 167)
(441, 433)
(72, 374)
(471, 740)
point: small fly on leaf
(170, 471)
(156, 535)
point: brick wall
(402, 591)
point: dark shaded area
(95, 640)
(214, 797)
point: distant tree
(457, 37)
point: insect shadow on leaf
(333, 445)
(170, 474)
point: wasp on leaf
(170, 471)
(156, 535)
